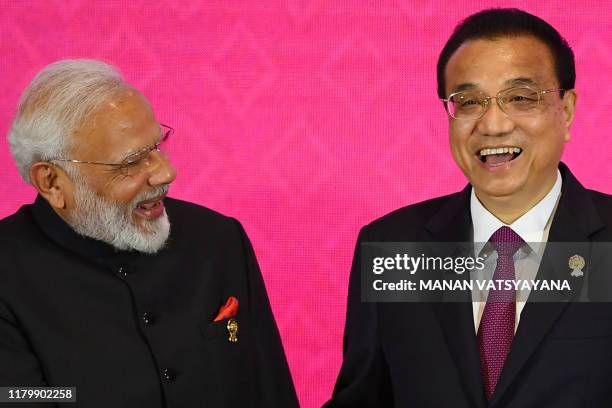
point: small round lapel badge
(576, 263)
(232, 330)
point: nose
(162, 172)
(495, 122)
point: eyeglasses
(136, 162)
(516, 101)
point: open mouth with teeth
(150, 205)
(150, 209)
(499, 155)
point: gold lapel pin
(232, 330)
(576, 263)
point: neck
(510, 208)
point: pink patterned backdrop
(303, 119)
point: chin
(145, 236)
(498, 190)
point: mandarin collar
(62, 233)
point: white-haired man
(98, 292)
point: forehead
(125, 124)
(492, 64)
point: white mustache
(147, 195)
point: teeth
(499, 150)
(148, 206)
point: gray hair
(55, 104)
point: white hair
(54, 105)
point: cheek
(547, 144)
(459, 138)
(546, 130)
(555, 117)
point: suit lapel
(575, 220)
(453, 224)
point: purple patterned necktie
(496, 329)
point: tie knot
(505, 241)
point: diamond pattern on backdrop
(305, 119)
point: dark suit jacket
(425, 354)
(134, 330)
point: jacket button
(168, 374)
(148, 318)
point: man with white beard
(111, 291)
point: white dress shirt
(532, 227)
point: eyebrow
(135, 152)
(520, 81)
(466, 86)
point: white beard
(112, 223)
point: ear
(569, 108)
(51, 182)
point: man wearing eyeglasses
(108, 286)
(506, 79)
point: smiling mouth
(150, 209)
(496, 156)
(150, 204)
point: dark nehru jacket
(135, 330)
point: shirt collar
(530, 226)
